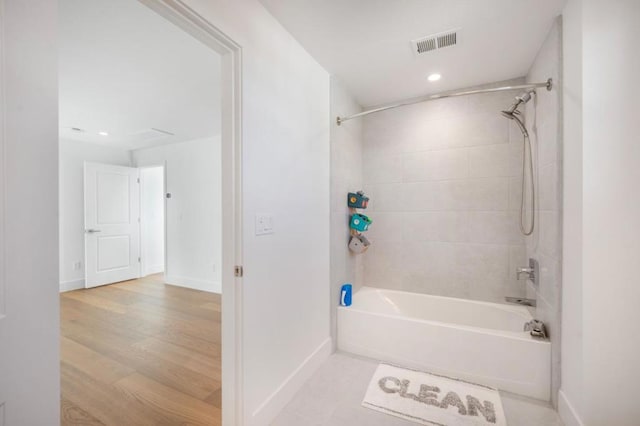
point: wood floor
(140, 353)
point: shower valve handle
(529, 272)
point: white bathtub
(478, 341)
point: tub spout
(521, 301)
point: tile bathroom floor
(332, 397)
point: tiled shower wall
(444, 181)
(544, 120)
(346, 175)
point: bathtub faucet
(536, 328)
(529, 272)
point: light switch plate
(264, 224)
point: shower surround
(444, 179)
(544, 118)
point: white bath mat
(431, 399)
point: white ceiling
(366, 43)
(125, 70)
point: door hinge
(139, 260)
(138, 180)
(239, 271)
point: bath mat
(430, 399)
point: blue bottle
(345, 295)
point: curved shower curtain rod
(548, 84)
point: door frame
(190, 21)
(164, 217)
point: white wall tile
(435, 165)
(443, 226)
(382, 168)
(550, 224)
(383, 265)
(346, 175)
(544, 121)
(386, 227)
(547, 142)
(481, 128)
(488, 194)
(515, 193)
(549, 192)
(485, 268)
(550, 279)
(476, 194)
(428, 133)
(446, 223)
(517, 258)
(416, 196)
(495, 160)
(494, 227)
(384, 197)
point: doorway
(229, 239)
(152, 220)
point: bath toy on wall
(358, 243)
(360, 222)
(357, 200)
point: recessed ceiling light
(434, 77)
(103, 133)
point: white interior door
(112, 223)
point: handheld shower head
(523, 98)
(513, 114)
(508, 113)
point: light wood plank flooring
(140, 353)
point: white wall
(544, 122)
(286, 173)
(72, 156)
(444, 180)
(570, 397)
(611, 211)
(29, 313)
(285, 137)
(600, 291)
(194, 211)
(346, 176)
(152, 219)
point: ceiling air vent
(148, 135)
(434, 42)
(425, 45)
(446, 40)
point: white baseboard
(71, 285)
(272, 406)
(194, 283)
(153, 269)
(567, 412)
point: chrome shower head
(513, 113)
(523, 98)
